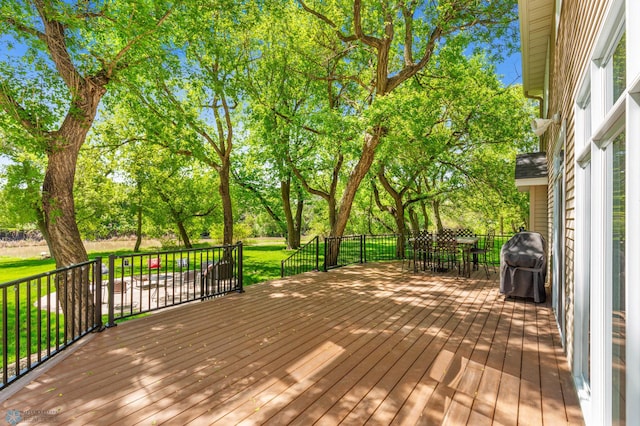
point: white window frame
(558, 235)
(633, 208)
(583, 256)
(608, 119)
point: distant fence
(43, 314)
(8, 235)
(335, 252)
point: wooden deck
(362, 344)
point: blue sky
(511, 70)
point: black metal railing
(343, 251)
(43, 314)
(140, 283)
(382, 247)
(493, 256)
(335, 252)
(305, 259)
(348, 250)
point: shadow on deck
(361, 344)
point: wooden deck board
(362, 344)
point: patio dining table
(467, 243)
(153, 283)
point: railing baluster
(16, 291)
(97, 291)
(28, 333)
(39, 320)
(5, 337)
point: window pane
(585, 350)
(618, 338)
(619, 68)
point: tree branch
(323, 194)
(408, 35)
(54, 37)
(18, 26)
(328, 21)
(411, 70)
(378, 200)
(261, 198)
(357, 24)
(131, 43)
(14, 109)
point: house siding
(538, 209)
(598, 321)
(577, 31)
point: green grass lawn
(262, 263)
(13, 268)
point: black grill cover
(523, 266)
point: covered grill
(523, 266)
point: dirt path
(91, 246)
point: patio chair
(120, 289)
(421, 250)
(189, 287)
(480, 253)
(445, 255)
(215, 275)
(409, 250)
(464, 232)
(154, 263)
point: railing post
(110, 288)
(240, 275)
(317, 253)
(363, 248)
(97, 288)
(324, 261)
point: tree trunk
(355, 178)
(136, 248)
(436, 215)
(425, 215)
(333, 217)
(397, 211)
(183, 234)
(294, 223)
(371, 142)
(227, 208)
(59, 208)
(413, 220)
(402, 230)
(285, 193)
(298, 221)
(42, 227)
